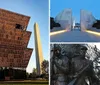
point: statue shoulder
(65, 57)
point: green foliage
(45, 69)
(34, 70)
(45, 66)
(96, 24)
(27, 74)
(33, 75)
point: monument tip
(36, 25)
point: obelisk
(38, 49)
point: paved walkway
(75, 36)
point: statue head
(83, 50)
(57, 51)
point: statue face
(57, 53)
(82, 53)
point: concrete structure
(38, 49)
(86, 20)
(64, 18)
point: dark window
(11, 64)
(6, 36)
(2, 59)
(10, 33)
(1, 35)
(18, 26)
(19, 38)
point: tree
(45, 69)
(45, 66)
(27, 75)
(96, 24)
(34, 73)
(53, 23)
(34, 70)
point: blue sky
(89, 5)
(38, 11)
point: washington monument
(38, 49)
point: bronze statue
(73, 69)
(82, 69)
(60, 67)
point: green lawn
(25, 82)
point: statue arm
(63, 68)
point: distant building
(77, 25)
(73, 22)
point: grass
(25, 82)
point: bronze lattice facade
(14, 39)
